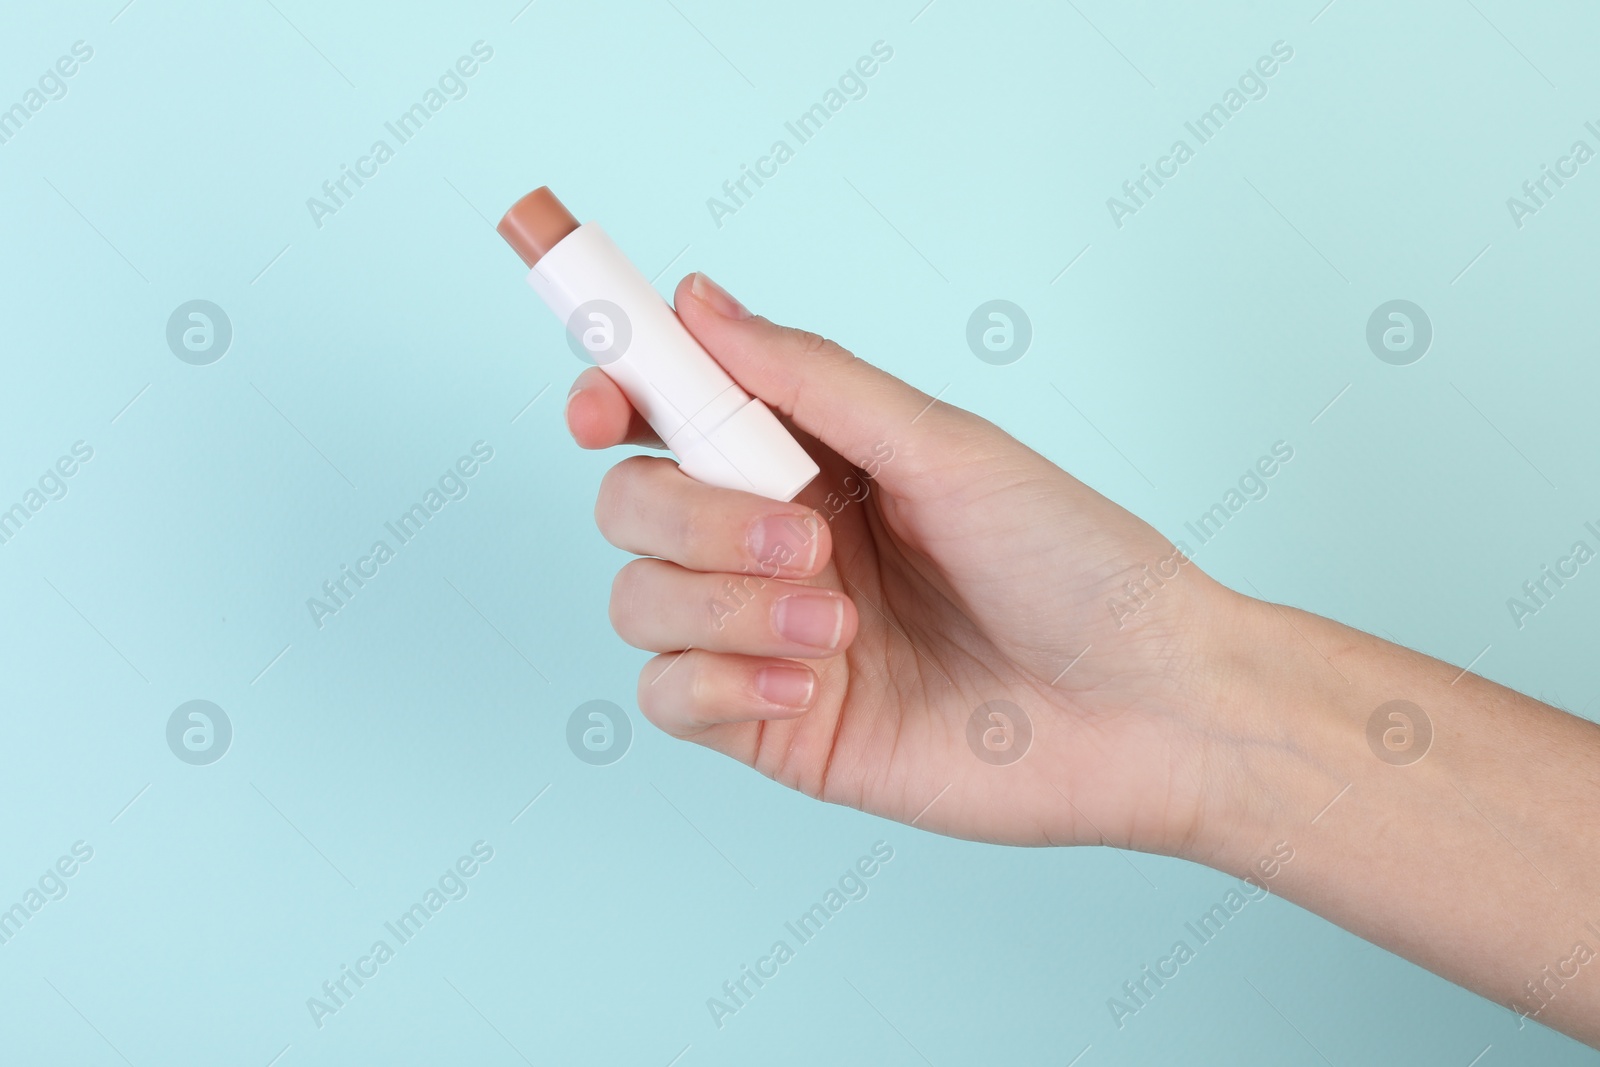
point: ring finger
(662, 607)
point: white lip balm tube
(721, 435)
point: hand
(841, 643)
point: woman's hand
(891, 639)
(940, 593)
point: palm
(980, 573)
(989, 589)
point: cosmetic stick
(721, 435)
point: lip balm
(721, 435)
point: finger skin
(852, 407)
(600, 416)
(649, 507)
(685, 693)
(662, 607)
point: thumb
(846, 403)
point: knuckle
(814, 344)
(617, 486)
(672, 706)
(699, 687)
(694, 529)
(648, 695)
(624, 608)
(729, 606)
(608, 501)
(621, 500)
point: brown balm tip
(535, 224)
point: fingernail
(717, 298)
(787, 687)
(780, 544)
(812, 619)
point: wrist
(1326, 783)
(1285, 728)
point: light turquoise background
(369, 353)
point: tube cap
(750, 450)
